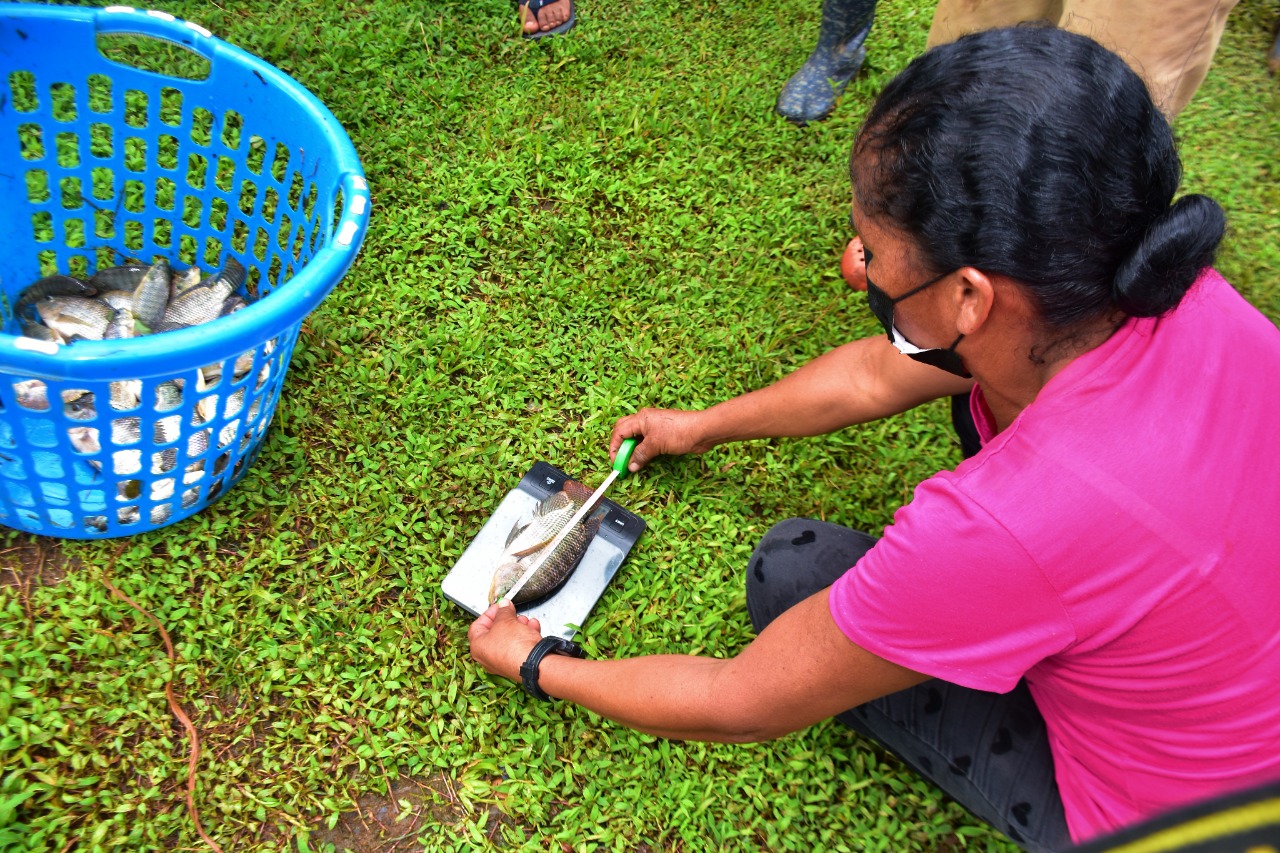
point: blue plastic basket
(105, 159)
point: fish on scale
(528, 548)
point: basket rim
(286, 305)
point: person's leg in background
(1273, 56)
(951, 19)
(1170, 43)
(811, 93)
(955, 18)
(542, 18)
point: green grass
(563, 232)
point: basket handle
(354, 218)
(125, 20)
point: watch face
(567, 647)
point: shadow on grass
(391, 823)
(27, 561)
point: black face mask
(882, 307)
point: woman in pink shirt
(1079, 627)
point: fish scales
(117, 299)
(549, 518)
(75, 316)
(121, 325)
(527, 545)
(41, 332)
(550, 567)
(53, 285)
(151, 296)
(198, 305)
(129, 300)
(232, 304)
(183, 281)
(204, 302)
(124, 278)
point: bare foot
(548, 17)
(853, 265)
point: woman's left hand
(501, 639)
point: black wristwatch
(546, 646)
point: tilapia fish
(527, 547)
(54, 285)
(128, 300)
(75, 317)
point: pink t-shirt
(1119, 546)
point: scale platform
(565, 610)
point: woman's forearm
(801, 669)
(861, 381)
(669, 696)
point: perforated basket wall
(132, 136)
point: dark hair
(1038, 154)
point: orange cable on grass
(177, 712)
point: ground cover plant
(562, 232)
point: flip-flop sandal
(853, 264)
(535, 6)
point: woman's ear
(975, 296)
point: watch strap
(546, 646)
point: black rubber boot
(810, 94)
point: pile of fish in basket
(127, 301)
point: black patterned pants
(988, 751)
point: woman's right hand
(661, 431)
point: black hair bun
(1165, 263)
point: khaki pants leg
(1170, 43)
(955, 18)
